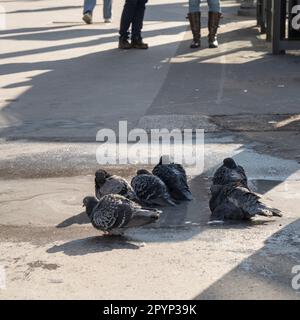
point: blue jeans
(89, 5)
(213, 5)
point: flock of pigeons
(119, 206)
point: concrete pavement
(61, 81)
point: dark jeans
(133, 14)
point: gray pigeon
(235, 202)
(150, 189)
(106, 183)
(115, 214)
(230, 172)
(174, 176)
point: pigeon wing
(104, 217)
(112, 212)
(113, 186)
(244, 199)
(148, 188)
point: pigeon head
(89, 203)
(143, 171)
(101, 176)
(229, 163)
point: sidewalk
(61, 81)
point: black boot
(138, 44)
(213, 25)
(124, 43)
(195, 23)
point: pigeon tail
(171, 202)
(164, 159)
(148, 213)
(276, 212)
(160, 202)
(165, 201)
(187, 195)
(143, 217)
(268, 211)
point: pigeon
(230, 172)
(174, 176)
(150, 189)
(106, 183)
(114, 213)
(236, 202)
(221, 208)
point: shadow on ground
(265, 275)
(80, 218)
(90, 245)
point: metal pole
(268, 19)
(277, 27)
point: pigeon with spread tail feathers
(235, 202)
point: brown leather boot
(139, 44)
(213, 25)
(195, 23)
(124, 44)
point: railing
(280, 20)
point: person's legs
(89, 6)
(194, 16)
(214, 16)
(214, 6)
(138, 19)
(127, 17)
(107, 9)
(194, 6)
